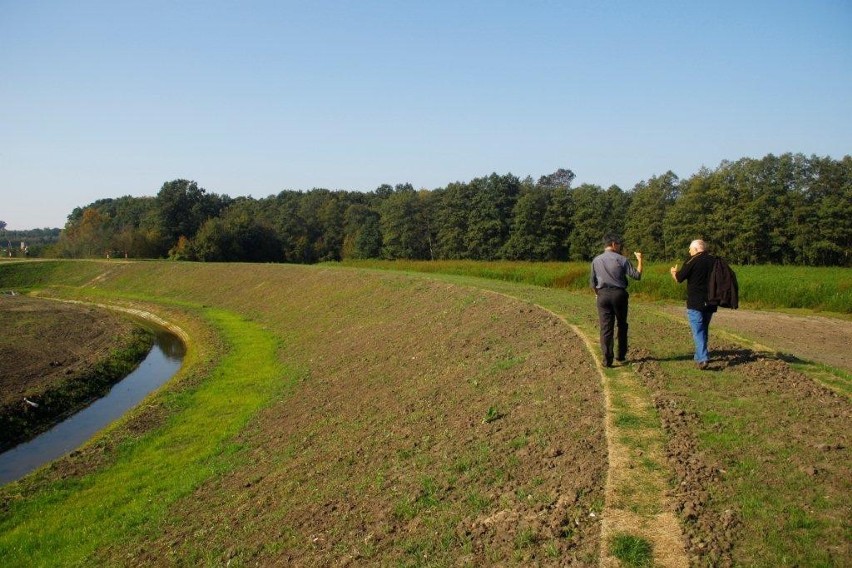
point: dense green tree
(235, 236)
(489, 221)
(120, 213)
(452, 208)
(311, 213)
(212, 243)
(362, 232)
(182, 207)
(383, 192)
(283, 212)
(131, 223)
(743, 219)
(557, 223)
(588, 221)
(776, 209)
(688, 218)
(404, 225)
(616, 205)
(643, 227)
(329, 244)
(137, 242)
(750, 206)
(560, 178)
(86, 237)
(527, 238)
(829, 199)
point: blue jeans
(699, 321)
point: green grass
(632, 551)
(760, 480)
(491, 415)
(34, 274)
(778, 287)
(72, 519)
(763, 481)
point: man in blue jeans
(609, 281)
(696, 271)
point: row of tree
(31, 242)
(788, 209)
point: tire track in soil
(624, 512)
(709, 535)
(661, 527)
(711, 532)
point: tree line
(24, 243)
(787, 209)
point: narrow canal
(161, 363)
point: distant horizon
(104, 99)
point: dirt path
(636, 501)
(810, 338)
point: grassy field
(776, 287)
(328, 415)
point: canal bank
(161, 363)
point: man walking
(609, 281)
(696, 271)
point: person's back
(610, 270)
(696, 271)
(608, 279)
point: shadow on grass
(728, 357)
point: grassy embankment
(49, 522)
(781, 468)
(779, 445)
(425, 414)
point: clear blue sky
(109, 98)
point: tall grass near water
(826, 289)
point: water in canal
(161, 363)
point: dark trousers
(612, 309)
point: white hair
(698, 245)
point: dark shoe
(703, 365)
(620, 359)
(608, 363)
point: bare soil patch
(54, 361)
(811, 338)
(434, 426)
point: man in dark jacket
(609, 281)
(696, 271)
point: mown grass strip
(66, 523)
(636, 502)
